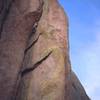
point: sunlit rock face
(34, 52)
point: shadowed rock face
(17, 23)
(34, 52)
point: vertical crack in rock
(15, 33)
(35, 39)
(30, 46)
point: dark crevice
(39, 10)
(27, 70)
(21, 73)
(30, 46)
(33, 31)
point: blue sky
(84, 35)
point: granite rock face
(34, 52)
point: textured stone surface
(34, 52)
(17, 27)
